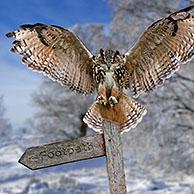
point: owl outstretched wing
(57, 53)
(160, 50)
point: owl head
(108, 57)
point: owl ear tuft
(101, 51)
(117, 52)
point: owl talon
(112, 101)
(101, 100)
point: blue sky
(17, 83)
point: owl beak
(108, 65)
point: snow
(84, 177)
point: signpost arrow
(63, 152)
(107, 144)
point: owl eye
(115, 65)
(104, 66)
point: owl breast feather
(109, 81)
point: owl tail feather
(127, 113)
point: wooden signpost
(107, 144)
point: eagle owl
(59, 54)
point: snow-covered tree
(5, 125)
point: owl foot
(101, 100)
(112, 101)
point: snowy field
(84, 177)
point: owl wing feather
(159, 51)
(57, 53)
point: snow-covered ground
(84, 177)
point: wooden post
(114, 157)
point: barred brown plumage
(59, 54)
(159, 51)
